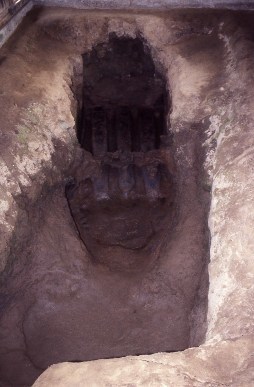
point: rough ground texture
(56, 305)
(158, 4)
(205, 366)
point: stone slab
(196, 367)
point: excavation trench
(124, 203)
(112, 260)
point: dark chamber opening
(120, 205)
(124, 99)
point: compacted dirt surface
(105, 248)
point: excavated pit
(124, 203)
(110, 260)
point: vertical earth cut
(124, 204)
(105, 235)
